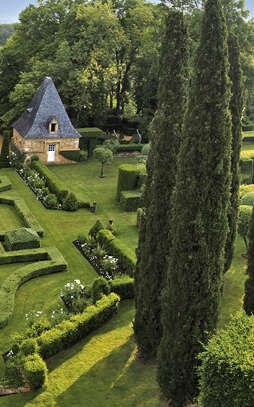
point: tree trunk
(102, 168)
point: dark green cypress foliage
(193, 287)
(236, 108)
(166, 130)
(5, 147)
(248, 303)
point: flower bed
(105, 265)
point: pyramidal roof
(45, 105)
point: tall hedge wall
(127, 178)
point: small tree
(112, 144)
(104, 155)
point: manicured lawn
(9, 219)
(100, 370)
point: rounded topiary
(81, 238)
(95, 229)
(35, 371)
(100, 286)
(70, 203)
(145, 149)
(51, 201)
(29, 346)
(248, 199)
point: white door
(51, 152)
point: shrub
(85, 205)
(245, 189)
(130, 200)
(21, 239)
(35, 371)
(81, 238)
(112, 144)
(227, 370)
(247, 199)
(29, 346)
(123, 286)
(70, 203)
(51, 201)
(99, 288)
(91, 137)
(129, 148)
(74, 296)
(83, 155)
(127, 178)
(69, 332)
(95, 229)
(55, 185)
(145, 149)
(34, 158)
(74, 155)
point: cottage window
(53, 127)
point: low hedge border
(130, 201)
(22, 256)
(21, 239)
(55, 185)
(74, 155)
(115, 247)
(70, 331)
(127, 148)
(23, 212)
(23, 274)
(123, 286)
(5, 183)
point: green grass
(9, 218)
(100, 370)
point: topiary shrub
(20, 239)
(35, 371)
(81, 238)
(140, 214)
(227, 369)
(95, 229)
(130, 200)
(29, 347)
(51, 201)
(99, 288)
(127, 178)
(244, 221)
(123, 286)
(247, 199)
(70, 203)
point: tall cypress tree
(236, 108)
(192, 291)
(248, 303)
(166, 133)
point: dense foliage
(192, 292)
(248, 303)
(165, 141)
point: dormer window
(53, 126)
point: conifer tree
(236, 108)
(166, 133)
(248, 303)
(192, 291)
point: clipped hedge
(115, 247)
(15, 280)
(29, 255)
(247, 199)
(140, 214)
(246, 165)
(20, 239)
(74, 155)
(129, 148)
(69, 332)
(35, 371)
(123, 286)
(227, 370)
(245, 189)
(91, 138)
(55, 185)
(130, 200)
(23, 212)
(5, 183)
(127, 178)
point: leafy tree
(6, 31)
(248, 303)
(236, 107)
(166, 135)
(104, 155)
(192, 291)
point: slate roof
(46, 103)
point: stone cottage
(44, 129)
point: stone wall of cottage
(40, 147)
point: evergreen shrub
(99, 288)
(35, 371)
(127, 178)
(140, 214)
(129, 148)
(248, 199)
(51, 201)
(84, 205)
(91, 137)
(27, 255)
(35, 158)
(130, 200)
(26, 215)
(20, 239)
(95, 229)
(75, 155)
(69, 332)
(244, 221)
(70, 203)
(123, 286)
(29, 346)
(227, 370)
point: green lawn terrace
(102, 369)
